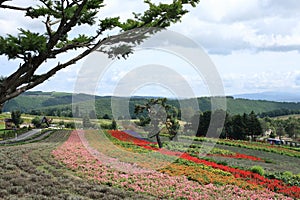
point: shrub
(257, 169)
(36, 122)
(3, 193)
(114, 125)
(287, 174)
(70, 125)
(111, 126)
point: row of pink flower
(80, 157)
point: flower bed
(198, 149)
(271, 184)
(249, 145)
(206, 176)
(238, 156)
(75, 155)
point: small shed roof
(8, 120)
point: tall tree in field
(172, 123)
(292, 127)
(239, 127)
(16, 117)
(204, 120)
(60, 18)
(254, 125)
(158, 115)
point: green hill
(62, 102)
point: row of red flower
(272, 184)
(239, 156)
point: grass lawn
(55, 119)
(2, 125)
(3, 116)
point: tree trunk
(159, 141)
(1, 107)
(175, 138)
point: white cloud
(229, 10)
(254, 43)
(257, 25)
(266, 81)
(261, 81)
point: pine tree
(60, 19)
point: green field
(2, 125)
(285, 117)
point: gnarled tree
(158, 114)
(60, 17)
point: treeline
(56, 111)
(47, 101)
(66, 111)
(289, 127)
(279, 112)
(220, 124)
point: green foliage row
(43, 135)
(287, 177)
(249, 145)
(8, 134)
(258, 169)
(195, 148)
(111, 126)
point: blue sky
(254, 45)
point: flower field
(255, 179)
(115, 165)
(121, 160)
(29, 171)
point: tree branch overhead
(59, 19)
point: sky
(252, 44)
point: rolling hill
(41, 101)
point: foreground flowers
(77, 155)
(250, 177)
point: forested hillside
(58, 103)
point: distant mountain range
(272, 96)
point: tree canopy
(235, 127)
(60, 18)
(16, 118)
(156, 114)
